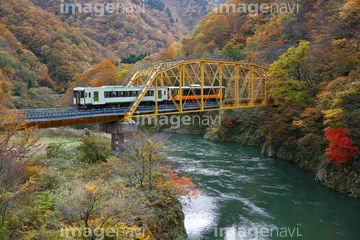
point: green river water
(246, 195)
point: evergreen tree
(29, 84)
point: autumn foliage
(101, 75)
(340, 147)
(184, 184)
(229, 124)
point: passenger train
(120, 96)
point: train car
(194, 92)
(114, 96)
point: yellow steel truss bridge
(192, 84)
(243, 84)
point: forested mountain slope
(148, 26)
(264, 36)
(46, 46)
(38, 50)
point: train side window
(107, 95)
(90, 95)
(96, 96)
(159, 94)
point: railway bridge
(245, 85)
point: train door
(87, 99)
(91, 97)
(76, 97)
(82, 97)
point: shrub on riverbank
(65, 191)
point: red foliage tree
(184, 185)
(229, 124)
(167, 53)
(340, 147)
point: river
(246, 195)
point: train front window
(82, 94)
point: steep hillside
(38, 50)
(190, 12)
(264, 36)
(47, 46)
(148, 26)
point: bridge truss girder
(246, 84)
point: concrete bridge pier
(117, 131)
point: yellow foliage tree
(141, 157)
(14, 143)
(103, 74)
(99, 207)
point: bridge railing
(40, 115)
(52, 115)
